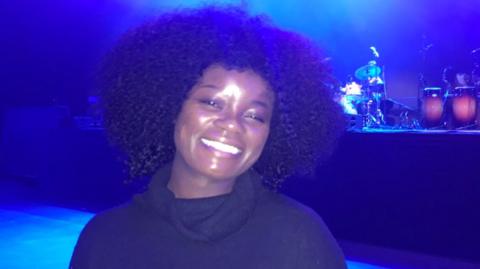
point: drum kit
(455, 106)
(363, 100)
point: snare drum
(463, 102)
(432, 107)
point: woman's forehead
(232, 80)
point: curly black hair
(147, 75)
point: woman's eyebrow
(261, 103)
(208, 86)
(258, 102)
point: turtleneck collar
(204, 219)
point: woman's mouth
(222, 147)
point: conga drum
(478, 108)
(463, 104)
(432, 107)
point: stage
(404, 189)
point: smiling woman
(211, 103)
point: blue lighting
(43, 237)
(38, 236)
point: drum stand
(373, 116)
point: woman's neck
(189, 184)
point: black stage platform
(415, 190)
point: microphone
(375, 52)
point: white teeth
(221, 146)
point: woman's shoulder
(287, 207)
(105, 235)
(108, 222)
(299, 223)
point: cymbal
(367, 71)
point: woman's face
(224, 123)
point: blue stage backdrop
(51, 48)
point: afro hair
(146, 77)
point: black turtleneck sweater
(251, 227)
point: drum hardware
(408, 121)
(398, 115)
(371, 116)
(422, 81)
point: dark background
(50, 49)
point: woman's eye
(211, 103)
(255, 117)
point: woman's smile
(221, 146)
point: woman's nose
(229, 121)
